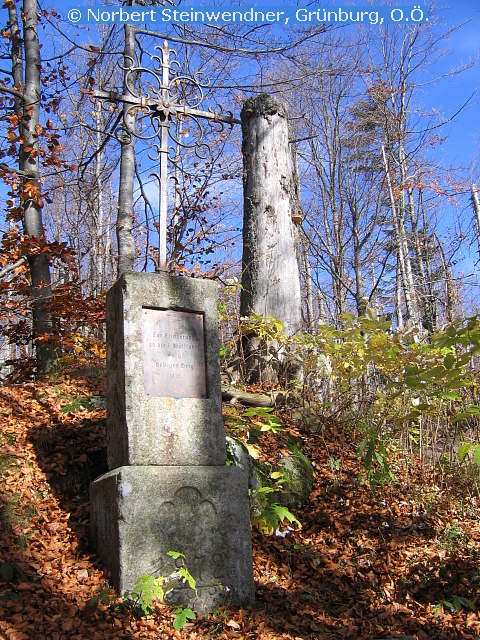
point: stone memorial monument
(168, 488)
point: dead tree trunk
(270, 277)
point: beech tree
(400, 60)
(125, 238)
(84, 207)
(371, 186)
(360, 139)
(26, 65)
(341, 180)
(31, 95)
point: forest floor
(362, 565)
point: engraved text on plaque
(173, 354)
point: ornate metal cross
(171, 98)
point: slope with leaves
(362, 566)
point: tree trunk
(270, 276)
(421, 241)
(125, 239)
(400, 241)
(302, 240)
(373, 295)
(398, 296)
(28, 164)
(360, 298)
(403, 238)
(308, 286)
(476, 208)
(322, 316)
(450, 302)
(270, 279)
(99, 253)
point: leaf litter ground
(362, 566)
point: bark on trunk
(99, 254)
(402, 249)
(308, 286)
(450, 302)
(302, 240)
(398, 296)
(429, 319)
(476, 208)
(322, 316)
(270, 279)
(403, 237)
(360, 298)
(270, 271)
(125, 239)
(29, 166)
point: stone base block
(139, 514)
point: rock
(237, 453)
(306, 416)
(298, 482)
(178, 423)
(297, 469)
(168, 489)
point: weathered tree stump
(270, 276)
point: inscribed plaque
(173, 354)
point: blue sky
(447, 96)
(451, 93)
(463, 142)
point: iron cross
(163, 105)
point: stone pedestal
(169, 488)
(154, 416)
(141, 513)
